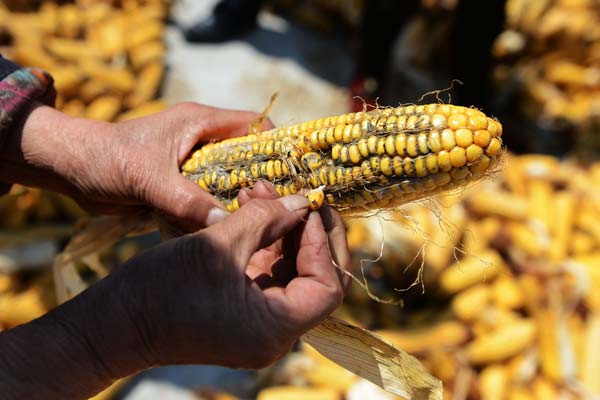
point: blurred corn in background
(508, 306)
(499, 282)
(107, 61)
(548, 57)
(106, 58)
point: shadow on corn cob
(359, 161)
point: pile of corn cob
(24, 207)
(551, 49)
(106, 57)
(511, 308)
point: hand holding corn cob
(120, 168)
(238, 293)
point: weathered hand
(242, 291)
(124, 167)
(153, 148)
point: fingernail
(215, 215)
(294, 203)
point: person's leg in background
(382, 20)
(230, 18)
(479, 24)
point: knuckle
(182, 206)
(335, 294)
(187, 106)
(260, 210)
(183, 203)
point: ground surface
(307, 69)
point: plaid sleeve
(18, 88)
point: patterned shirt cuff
(17, 91)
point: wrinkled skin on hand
(122, 168)
(240, 292)
(144, 169)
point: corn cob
(361, 161)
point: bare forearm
(42, 360)
(73, 352)
(47, 149)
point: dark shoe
(217, 30)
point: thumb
(186, 207)
(259, 223)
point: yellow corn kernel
(147, 84)
(507, 294)
(443, 335)
(527, 240)
(556, 347)
(591, 363)
(493, 382)
(104, 108)
(458, 157)
(564, 205)
(448, 140)
(540, 200)
(17, 309)
(464, 137)
(519, 393)
(316, 198)
(471, 270)
(482, 138)
(543, 389)
(494, 147)
(468, 304)
(152, 107)
(445, 241)
(366, 160)
(497, 203)
(473, 153)
(503, 343)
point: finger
(244, 196)
(317, 291)
(185, 206)
(260, 190)
(258, 224)
(338, 242)
(264, 190)
(223, 123)
(204, 123)
(289, 244)
(314, 260)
